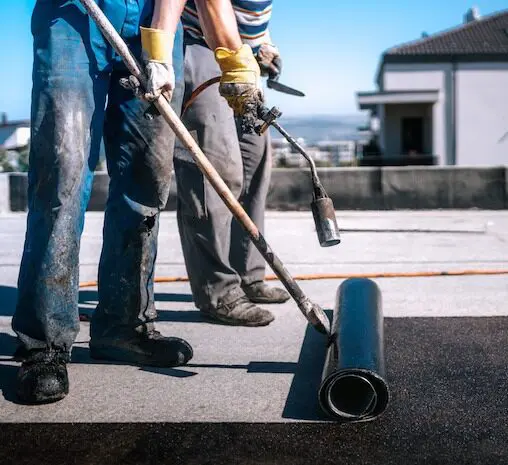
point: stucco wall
(482, 114)
(13, 138)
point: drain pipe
(453, 135)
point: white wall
(14, 138)
(482, 113)
(425, 77)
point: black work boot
(261, 293)
(239, 311)
(42, 377)
(20, 354)
(149, 348)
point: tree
(23, 159)
(5, 164)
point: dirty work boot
(20, 354)
(42, 378)
(149, 348)
(261, 293)
(239, 312)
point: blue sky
(330, 48)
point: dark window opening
(412, 136)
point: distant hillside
(317, 128)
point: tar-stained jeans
(218, 254)
(76, 101)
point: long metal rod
(315, 179)
(312, 312)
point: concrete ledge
(384, 188)
(444, 187)
(290, 190)
(353, 189)
(99, 195)
(350, 189)
(100, 189)
(481, 187)
(506, 187)
(4, 193)
(18, 186)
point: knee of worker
(129, 204)
(197, 198)
(145, 192)
(190, 187)
(125, 218)
(141, 171)
(224, 156)
(60, 148)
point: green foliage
(23, 159)
(5, 165)
(19, 164)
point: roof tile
(486, 35)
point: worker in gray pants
(225, 269)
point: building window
(412, 136)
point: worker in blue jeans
(80, 94)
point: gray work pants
(218, 254)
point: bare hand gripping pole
(312, 312)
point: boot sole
(41, 401)
(114, 354)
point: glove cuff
(238, 66)
(157, 45)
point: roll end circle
(354, 395)
(351, 396)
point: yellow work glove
(240, 81)
(157, 48)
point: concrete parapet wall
(392, 188)
(18, 196)
(444, 187)
(386, 188)
(4, 193)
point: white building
(283, 154)
(341, 151)
(14, 134)
(446, 95)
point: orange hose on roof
(323, 276)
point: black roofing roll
(354, 387)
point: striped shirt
(252, 17)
